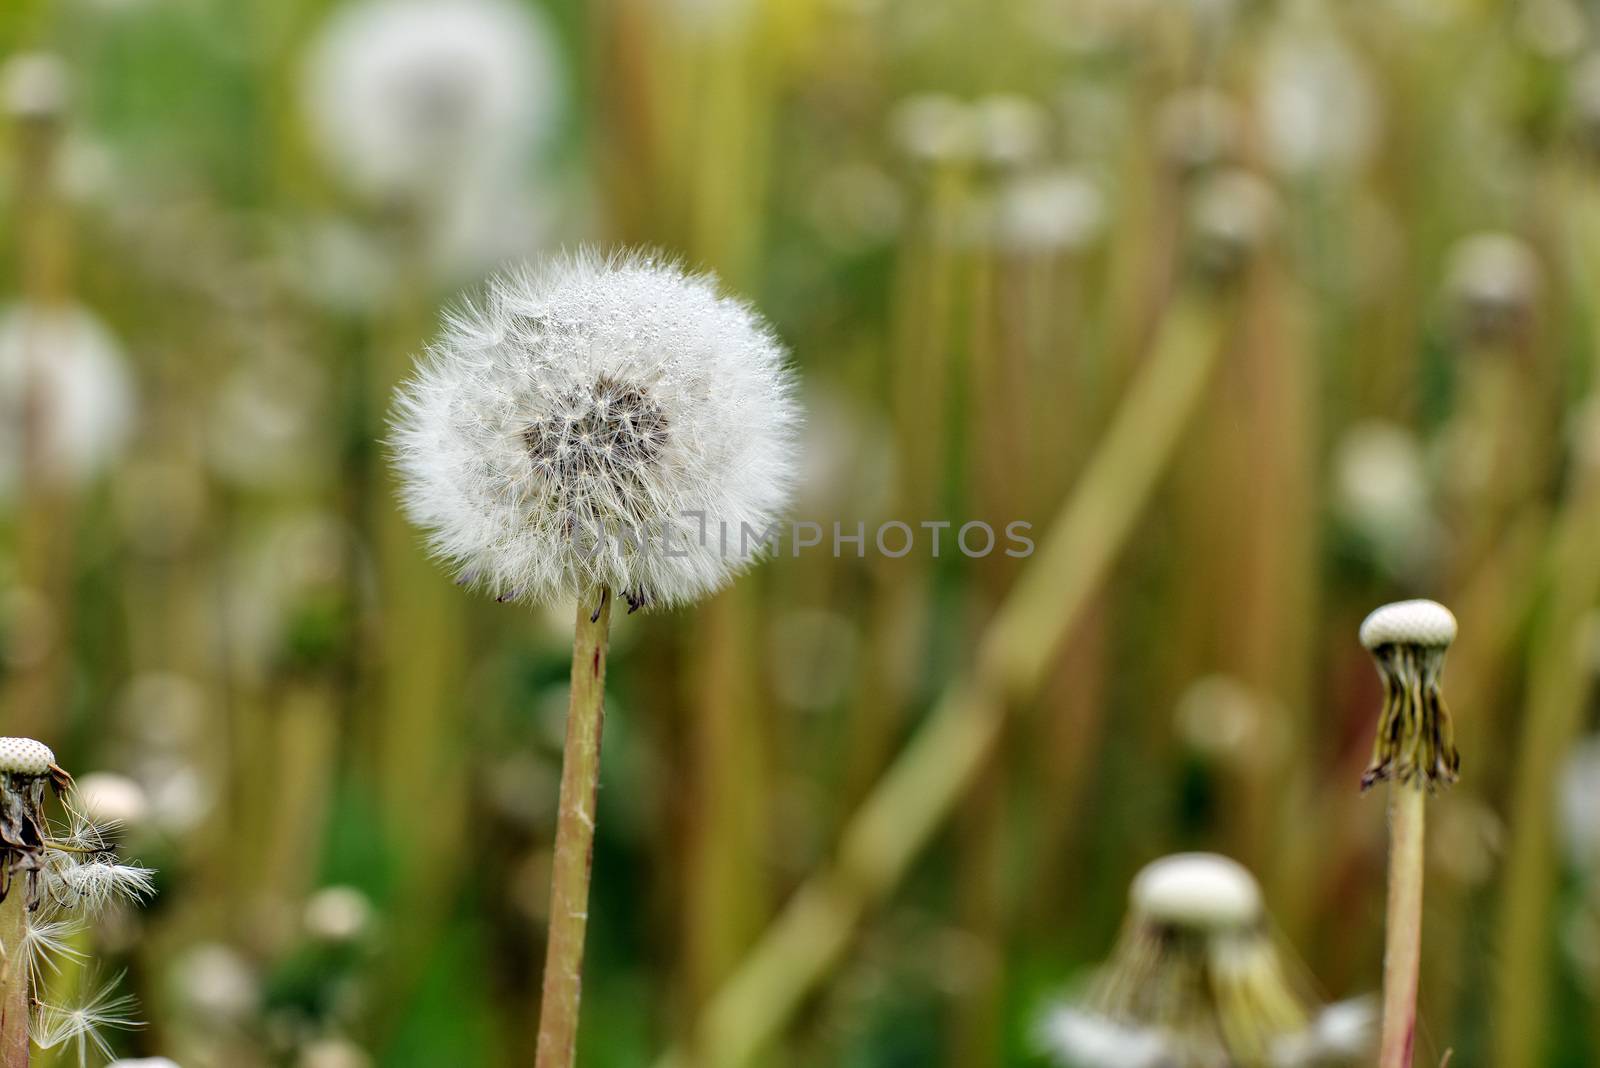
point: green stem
(942, 760)
(14, 997)
(1402, 954)
(574, 852)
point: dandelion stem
(574, 852)
(14, 997)
(1403, 931)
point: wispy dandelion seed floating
(1197, 981)
(596, 427)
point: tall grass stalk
(1559, 688)
(924, 784)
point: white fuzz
(933, 128)
(599, 421)
(89, 886)
(75, 369)
(1199, 891)
(24, 756)
(1049, 211)
(1012, 130)
(406, 96)
(1082, 1039)
(1427, 624)
(1319, 110)
(338, 914)
(34, 85)
(1341, 1032)
(81, 1028)
(1493, 275)
(46, 942)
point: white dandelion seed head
(35, 86)
(1495, 279)
(1053, 210)
(1201, 891)
(1427, 624)
(935, 128)
(338, 914)
(69, 361)
(599, 421)
(24, 756)
(333, 1053)
(1078, 1038)
(1319, 109)
(405, 96)
(144, 1062)
(1012, 130)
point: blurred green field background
(973, 223)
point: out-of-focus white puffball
(1580, 804)
(410, 97)
(34, 86)
(1054, 210)
(1319, 108)
(334, 1053)
(1381, 492)
(1012, 130)
(338, 914)
(75, 370)
(112, 800)
(933, 128)
(144, 1062)
(216, 984)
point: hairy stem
(14, 997)
(942, 760)
(574, 853)
(1403, 929)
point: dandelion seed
(595, 423)
(46, 943)
(82, 1028)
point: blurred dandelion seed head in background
(1196, 980)
(71, 367)
(406, 97)
(598, 421)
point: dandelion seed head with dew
(1415, 741)
(1197, 980)
(69, 362)
(598, 421)
(406, 97)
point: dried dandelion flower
(74, 369)
(52, 878)
(1415, 744)
(599, 422)
(1196, 981)
(408, 97)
